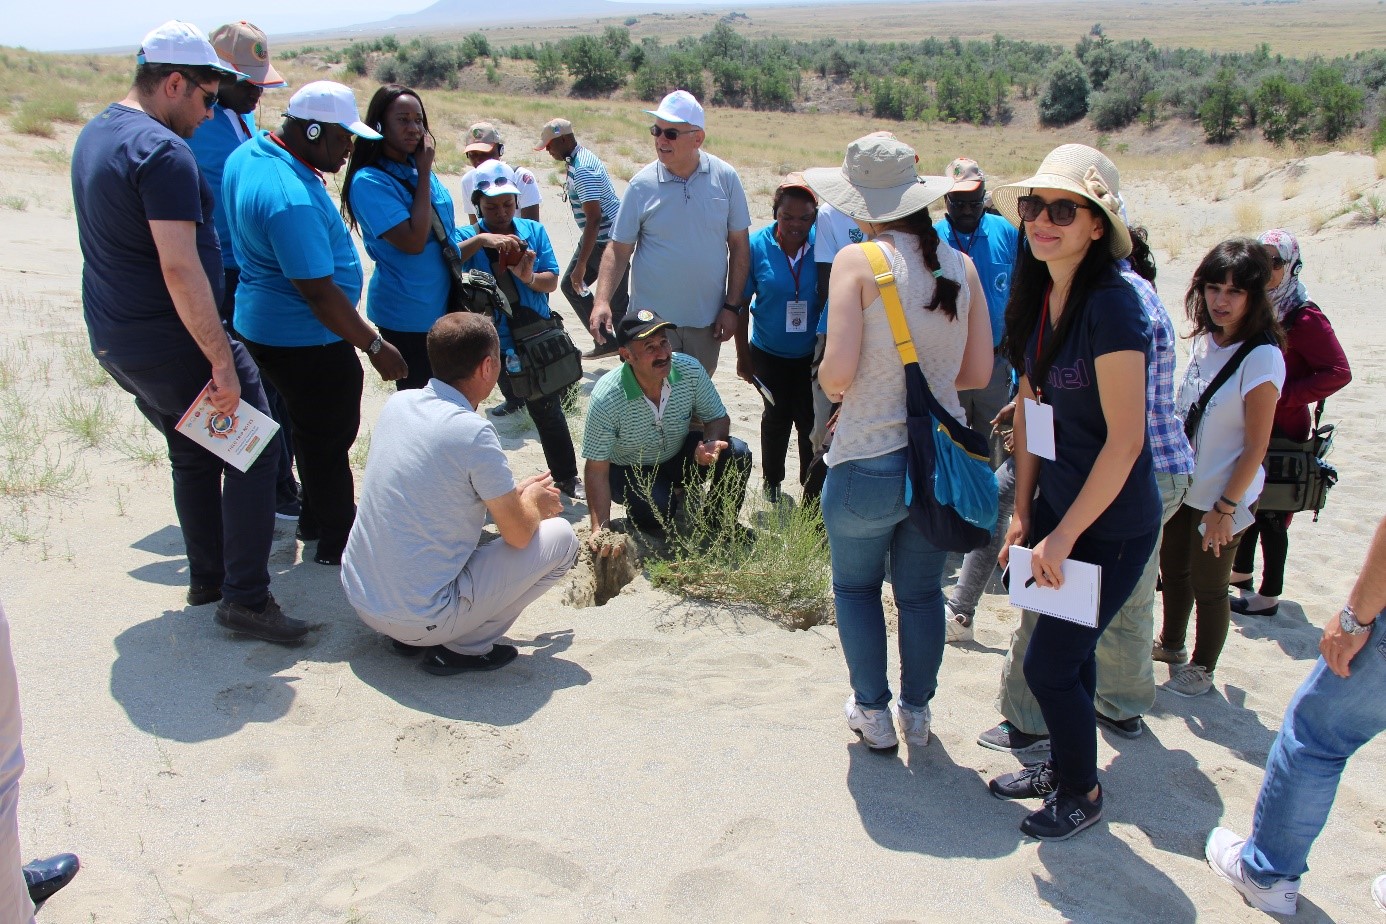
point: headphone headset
(313, 132)
(377, 128)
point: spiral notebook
(1075, 601)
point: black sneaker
(508, 408)
(202, 594)
(1064, 815)
(1032, 781)
(1006, 737)
(1126, 728)
(606, 349)
(269, 624)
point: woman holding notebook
(1085, 486)
(1233, 381)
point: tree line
(1113, 84)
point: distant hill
(459, 12)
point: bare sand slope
(648, 760)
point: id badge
(1039, 429)
(795, 317)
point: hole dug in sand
(595, 579)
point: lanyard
(795, 269)
(316, 172)
(1039, 343)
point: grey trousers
(981, 405)
(494, 588)
(14, 894)
(699, 343)
(1125, 673)
(980, 564)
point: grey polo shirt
(679, 229)
(433, 464)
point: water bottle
(512, 362)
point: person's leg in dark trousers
(1274, 529)
(647, 493)
(1060, 663)
(1195, 580)
(322, 387)
(789, 380)
(226, 515)
(554, 437)
(1176, 579)
(413, 346)
(582, 304)
(1245, 562)
(1209, 575)
(730, 473)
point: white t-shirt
(834, 232)
(1221, 435)
(529, 189)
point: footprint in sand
(260, 701)
(469, 759)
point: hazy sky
(66, 24)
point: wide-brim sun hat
(877, 181)
(1083, 171)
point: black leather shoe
(269, 623)
(45, 877)
(202, 594)
(1239, 607)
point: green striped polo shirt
(621, 426)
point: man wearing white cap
(685, 220)
(296, 306)
(151, 281)
(245, 48)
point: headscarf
(1290, 294)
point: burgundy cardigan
(1315, 367)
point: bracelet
(1229, 502)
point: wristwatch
(375, 346)
(1347, 620)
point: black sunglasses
(966, 205)
(208, 99)
(671, 134)
(1061, 211)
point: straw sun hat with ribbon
(1081, 170)
(877, 181)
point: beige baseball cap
(482, 136)
(553, 128)
(246, 48)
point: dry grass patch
(1247, 217)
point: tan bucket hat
(877, 181)
(1081, 170)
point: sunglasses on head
(483, 185)
(671, 134)
(1061, 211)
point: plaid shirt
(1168, 444)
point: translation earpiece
(313, 132)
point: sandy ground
(647, 760)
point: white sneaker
(914, 723)
(1224, 853)
(957, 626)
(1379, 892)
(1190, 680)
(873, 725)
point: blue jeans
(866, 518)
(1328, 719)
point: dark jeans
(1273, 530)
(1194, 579)
(582, 304)
(1060, 664)
(554, 438)
(627, 482)
(789, 381)
(322, 387)
(286, 489)
(227, 516)
(413, 346)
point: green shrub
(1066, 93)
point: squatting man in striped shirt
(639, 449)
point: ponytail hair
(945, 290)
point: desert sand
(648, 760)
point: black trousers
(582, 304)
(413, 346)
(321, 387)
(1272, 530)
(286, 488)
(554, 438)
(789, 380)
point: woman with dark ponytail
(863, 499)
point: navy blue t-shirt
(128, 170)
(1112, 321)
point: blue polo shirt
(284, 227)
(211, 144)
(408, 291)
(537, 240)
(992, 249)
(772, 283)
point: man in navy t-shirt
(151, 281)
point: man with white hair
(685, 220)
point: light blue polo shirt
(211, 144)
(772, 283)
(284, 226)
(679, 229)
(992, 249)
(408, 291)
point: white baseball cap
(679, 106)
(495, 178)
(182, 43)
(328, 101)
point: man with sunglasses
(151, 282)
(685, 220)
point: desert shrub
(1282, 110)
(594, 67)
(1224, 108)
(1338, 106)
(1066, 93)
(548, 68)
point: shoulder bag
(1298, 476)
(950, 489)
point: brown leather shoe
(270, 624)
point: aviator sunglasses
(483, 185)
(208, 99)
(671, 134)
(1061, 211)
